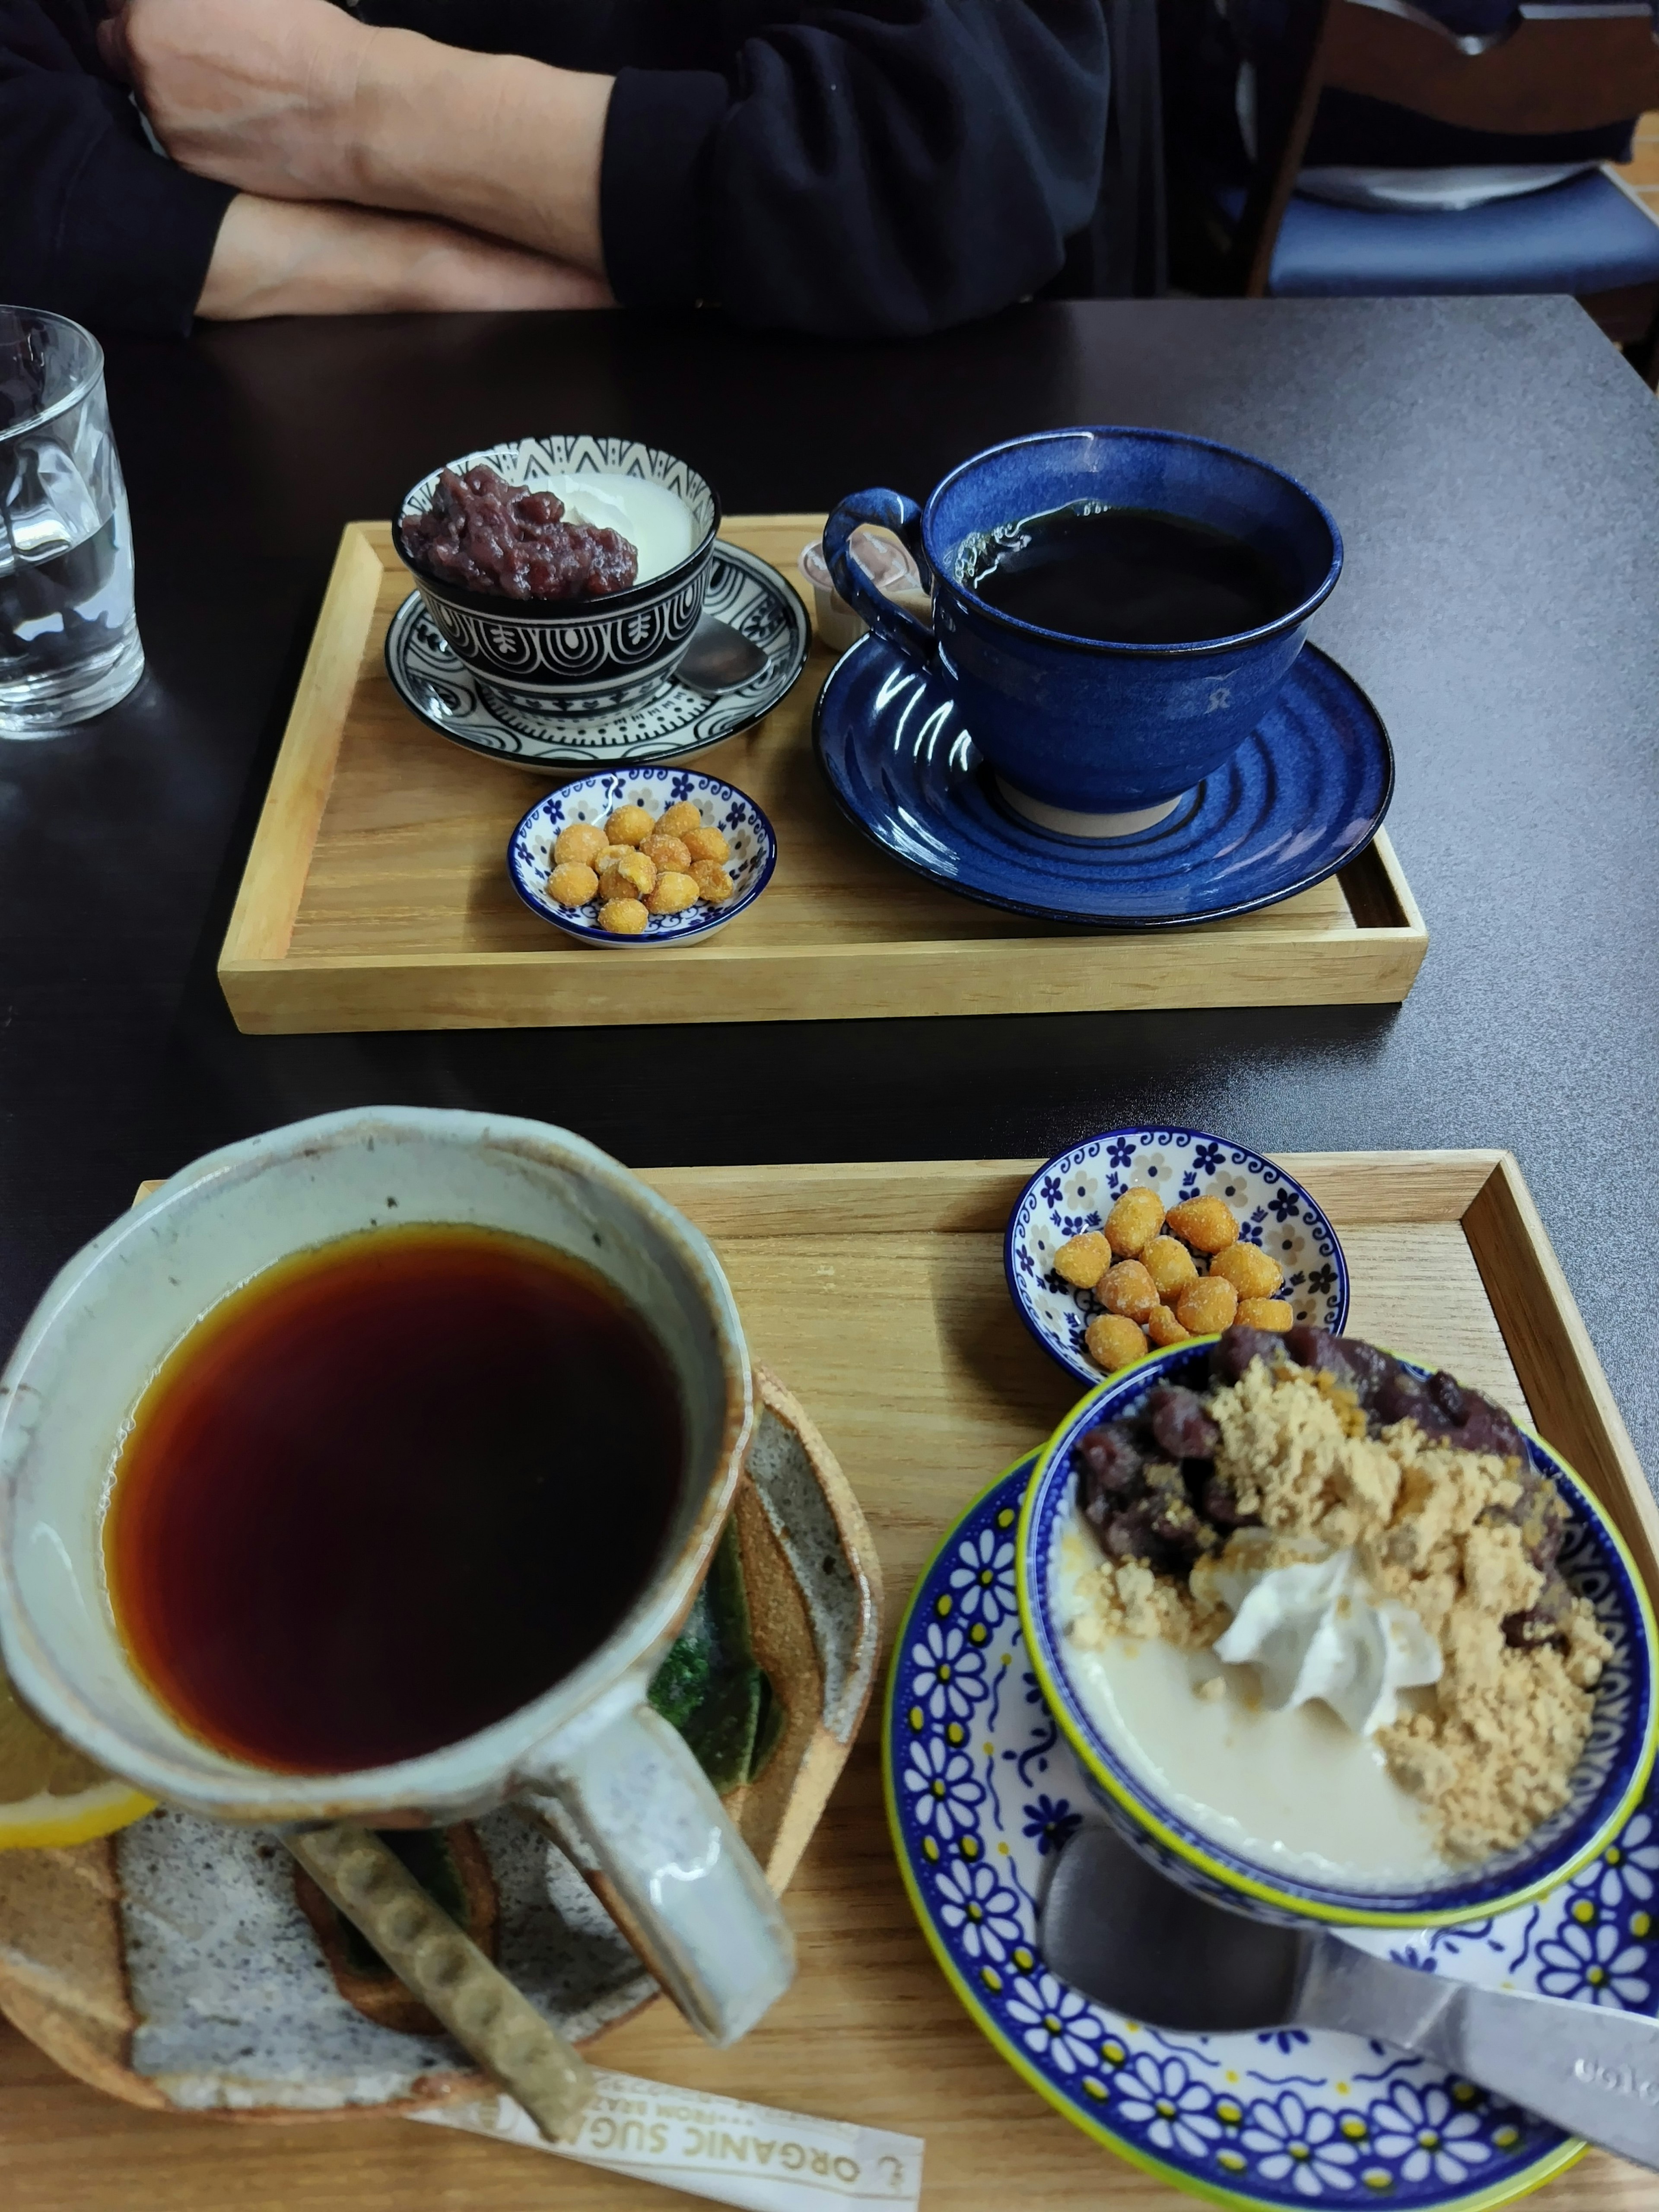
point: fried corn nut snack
(1112, 1342)
(664, 851)
(1128, 1289)
(1082, 1261)
(1164, 1327)
(1253, 1272)
(1170, 1265)
(624, 917)
(678, 819)
(584, 841)
(631, 877)
(713, 882)
(1133, 1222)
(1265, 1313)
(628, 825)
(673, 891)
(573, 883)
(707, 844)
(1207, 1305)
(1205, 1224)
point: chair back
(1552, 68)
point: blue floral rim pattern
(591, 798)
(983, 1791)
(1076, 1190)
(1304, 794)
(1613, 1772)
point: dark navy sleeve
(92, 223)
(887, 168)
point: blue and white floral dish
(1608, 1784)
(983, 1791)
(748, 832)
(741, 588)
(1303, 795)
(1078, 1189)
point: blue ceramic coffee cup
(1089, 737)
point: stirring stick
(492, 2021)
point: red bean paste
(497, 536)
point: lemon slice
(49, 1793)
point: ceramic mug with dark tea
(363, 1473)
(1113, 610)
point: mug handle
(630, 1802)
(894, 512)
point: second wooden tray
(878, 1289)
(376, 895)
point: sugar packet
(716, 2147)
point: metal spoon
(1127, 1937)
(719, 658)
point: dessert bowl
(754, 849)
(582, 657)
(1076, 1189)
(1611, 1772)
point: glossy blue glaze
(1074, 722)
(1304, 794)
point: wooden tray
(879, 1290)
(376, 896)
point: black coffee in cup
(1127, 576)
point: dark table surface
(1494, 466)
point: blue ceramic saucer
(984, 1792)
(1304, 794)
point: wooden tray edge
(271, 993)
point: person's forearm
(292, 258)
(500, 143)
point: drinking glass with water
(69, 638)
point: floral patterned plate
(1076, 1191)
(982, 1794)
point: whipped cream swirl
(1316, 1628)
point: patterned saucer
(1076, 1190)
(744, 591)
(1304, 794)
(982, 1794)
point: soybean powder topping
(1466, 1538)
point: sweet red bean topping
(496, 537)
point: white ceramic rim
(480, 1769)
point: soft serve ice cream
(1317, 1612)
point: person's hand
(281, 257)
(258, 94)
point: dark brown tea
(389, 1492)
(1129, 575)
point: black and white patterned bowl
(582, 657)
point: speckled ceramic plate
(744, 591)
(1077, 1190)
(722, 806)
(173, 1966)
(982, 1794)
(1304, 794)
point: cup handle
(631, 1803)
(894, 512)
